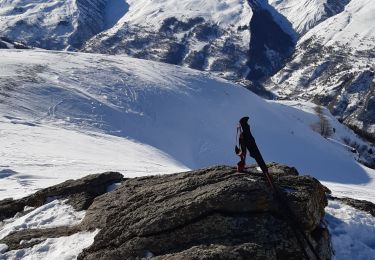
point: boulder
(80, 193)
(212, 213)
(363, 205)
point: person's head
(243, 121)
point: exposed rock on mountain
(363, 205)
(5, 43)
(213, 213)
(80, 194)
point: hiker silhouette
(247, 142)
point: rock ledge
(212, 213)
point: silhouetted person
(247, 142)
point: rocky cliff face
(213, 213)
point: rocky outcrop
(80, 194)
(30, 237)
(5, 43)
(212, 213)
(363, 205)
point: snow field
(62, 248)
(36, 156)
(53, 214)
(84, 113)
(354, 27)
(223, 13)
(304, 113)
(352, 232)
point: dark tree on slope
(323, 127)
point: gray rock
(80, 194)
(213, 213)
(30, 237)
(222, 252)
(363, 205)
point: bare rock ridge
(6, 43)
(80, 194)
(362, 205)
(212, 213)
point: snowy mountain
(239, 39)
(306, 14)
(334, 65)
(52, 24)
(220, 36)
(64, 115)
(327, 44)
(69, 114)
(206, 35)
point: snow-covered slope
(207, 35)
(352, 232)
(342, 137)
(52, 24)
(237, 38)
(334, 65)
(353, 27)
(223, 13)
(305, 14)
(66, 114)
